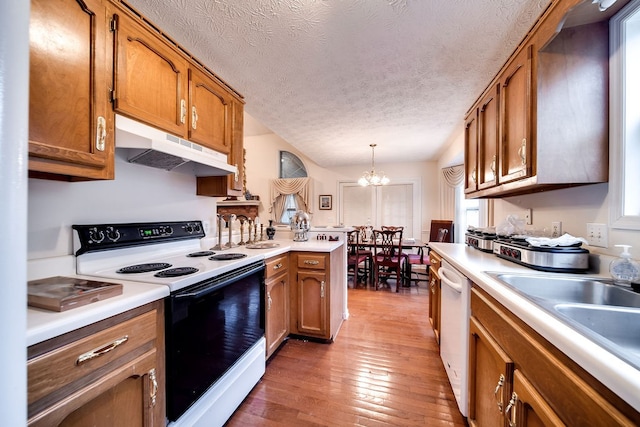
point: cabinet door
(150, 78)
(488, 125)
(209, 112)
(471, 152)
(126, 396)
(70, 122)
(516, 144)
(237, 181)
(490, 378)
(233, 184)
(311, 305)
(434, 302)
(277, 311)
(527, 408)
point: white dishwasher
(454, 330)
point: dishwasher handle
(449, 281)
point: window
(391, 204)
(625, 118)
(290, 167)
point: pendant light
(372, 177)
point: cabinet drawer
(311, 261)
(87, 358)
(276, 265)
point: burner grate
(175, 272)
(227, 257)
(144, 268)
(200, 254)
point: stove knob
(95, 235)
(197, 228)
(113, 234)
(188, 228)
(168, 230)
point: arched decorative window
(290, 193)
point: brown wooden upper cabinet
(150, 79)
(471, 151)
(488, 139)
(157, 85)
(515, 141)
(210, 107)
(542, 122)
(70, 120)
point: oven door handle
(442, 272)
(200, 293)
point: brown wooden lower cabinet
(490, 378)
(277, 302)
(105, 374)
(316, 295)
(516, 377)
(434, 296)
(527, 408)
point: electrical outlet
(597, 235)
(527, 216)
(556, 229)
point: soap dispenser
(624, 270)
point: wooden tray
(63, 293)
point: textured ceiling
(333, 76)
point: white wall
(575, 207)
(138, 194)
(262, 165)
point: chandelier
(372, 177)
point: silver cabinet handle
(322, 289)
(154, 386)
(269, 301)
(522, 151)
(183, 111)
(277, 266)
(311, 262)
(101, 133)
(101, 350)
(495, 393)
(493, 167)
(512, 405)
(194, 117)
(474, 175)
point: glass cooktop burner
(144, 268)
(199, 254)
(227, 257)
(175, 272)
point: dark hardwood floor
(382, 370)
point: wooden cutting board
(64, 293)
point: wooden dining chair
(364, 248)
(441, 231)
(357, 263)
(388, 259)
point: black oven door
(209, 326)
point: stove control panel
(512, 253)
(98, 237)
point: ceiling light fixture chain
(372, 177)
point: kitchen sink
(619, 325)
(607, 314)
(574, 289)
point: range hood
(151, 147)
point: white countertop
(619, 376)
(44, 324)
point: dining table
(406, 244)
